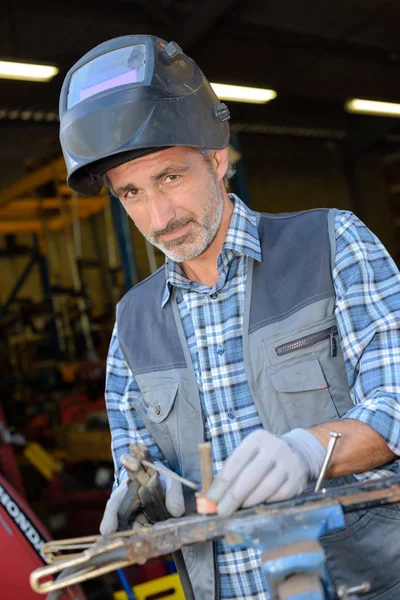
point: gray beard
(199, 238)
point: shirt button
(220, 349)
(158, 409)
(231, 414)
(214, 296)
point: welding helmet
(131, 96)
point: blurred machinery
(57, 455)
(54, 343)
(21, 532)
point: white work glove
(267, 468)
(109, 522)
(174, 502)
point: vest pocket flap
(301, 376)
(158, 401)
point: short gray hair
(230, 172)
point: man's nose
(161, 210)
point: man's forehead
(157, 160)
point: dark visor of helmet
(124, 66)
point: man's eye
(172, 178)
(131, 194)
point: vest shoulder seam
(292, 215)
(143, 282)
(281, 317)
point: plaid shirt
(367, 286)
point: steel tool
(204, 506)
(169, 473)
(327, 461)
(287, 532)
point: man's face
(175, 197)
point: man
(262, 333)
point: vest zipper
(205, 427)
(217, 573)
(215, 557)
(310, 340)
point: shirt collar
(242, 237)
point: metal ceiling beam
(360, 142)
(17, 227)
(266, 37)
(30, 182)
(155, 12)
(201, 21)
(357, 145)
(54, 223)
(332, 46)
(28, 205)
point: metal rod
(169, 473)
(76, 275)
(19, 283)
(344, 593)
(140, 545)
(325, 465)
(206, 466)
(363, 587)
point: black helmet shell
(170, 103)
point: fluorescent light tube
(239, 93)
(26, 71)
(373, 107)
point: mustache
(171, 227)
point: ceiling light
(373, 107)
(26, 71)
(239, 93)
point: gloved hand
(109, 522)
(174, 502)
(267, 468)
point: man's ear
(220, 160)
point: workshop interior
(313, 90)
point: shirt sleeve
(367, 287)
(126, 425)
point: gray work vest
(295, 369)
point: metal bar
(17, 251)
(165, 471)
(32, 203)
(76, 226)
(111, 249)
(327, 460)
(20, 282)
(19, 227)
(77, 280)
(206, 466)
(33, 180)
(125, 243)
(239, 179)
(139, 545)
(101, 262)
(125, 584)
(46, 285)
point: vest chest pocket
(157, 401)
(304, 393)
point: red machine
(22, 535)
(21, 539)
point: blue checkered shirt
(367, 287)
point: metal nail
(169, 473)
(327, 460)
(206, 466)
